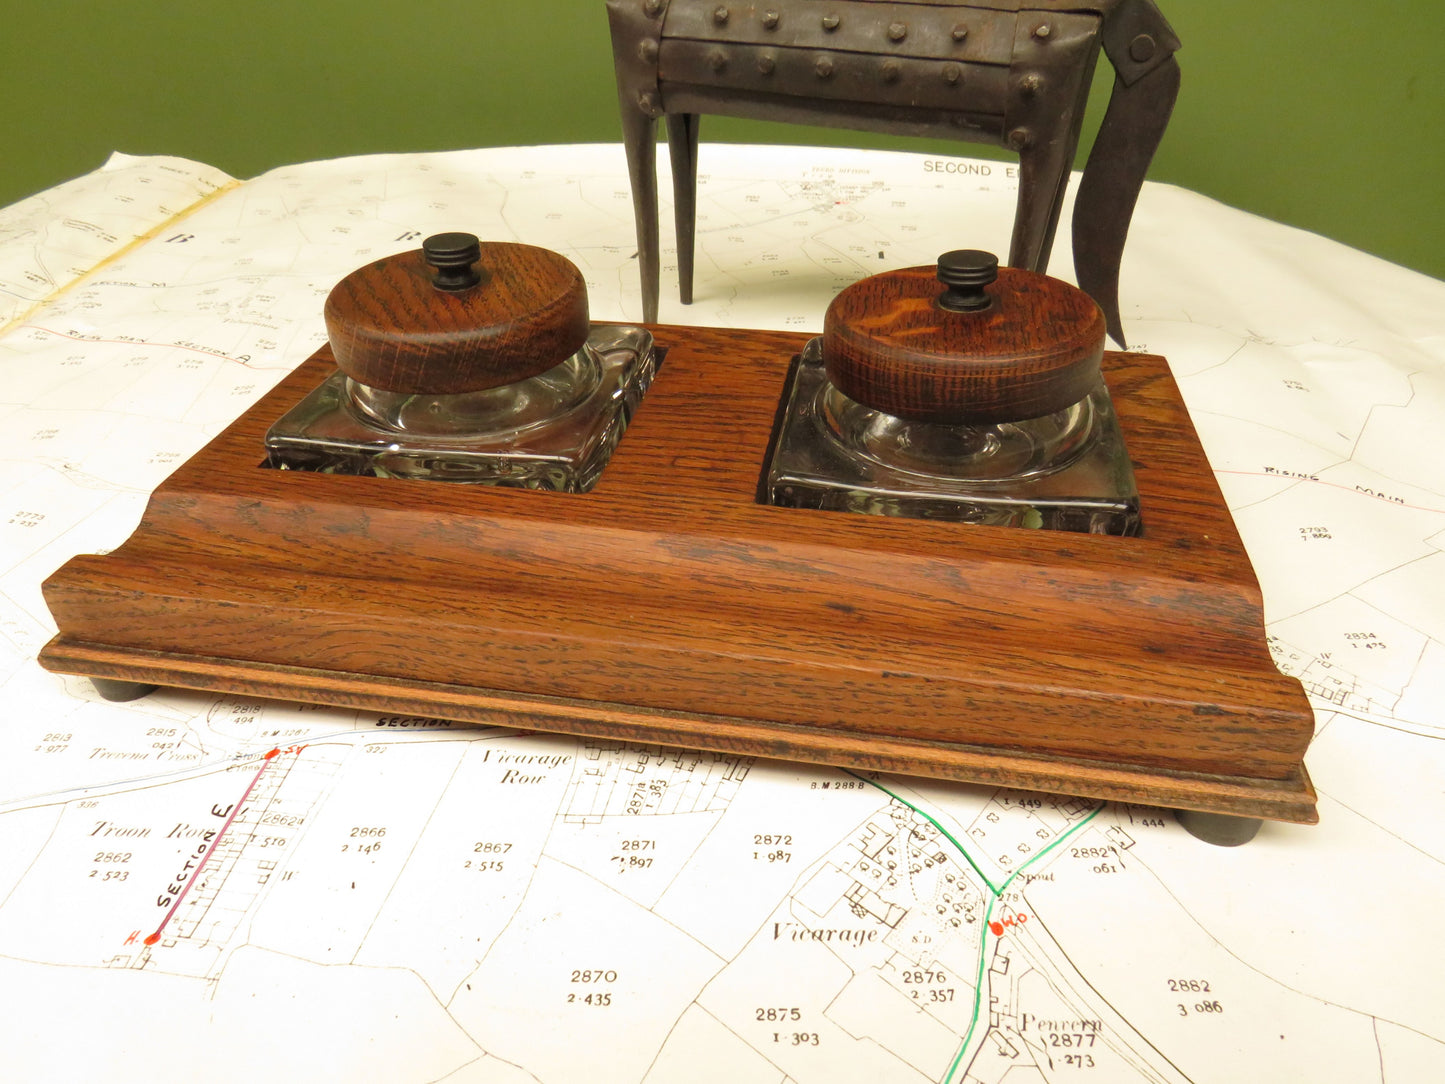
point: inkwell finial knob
(966, 271)
(454, 257)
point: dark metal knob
(454, 256)
(966, 271)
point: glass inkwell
(467, 362)
(978, 402)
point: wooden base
(667, 605)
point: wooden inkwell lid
(995, 344)
(457, 315)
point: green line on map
(997, 890)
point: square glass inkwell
(451, 371)
(978, 402)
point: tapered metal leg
(1220, 829)
(639, 136)
(1061, 188)
(1043, 180)
(120, 691)
(682, 132)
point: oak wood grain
(1036, 349)
(390, 328)
(1290, 799)
(666, 604)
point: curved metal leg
(682, 131)
(639, 136)
(1133, 126)
(1220, 829)
(119, 691)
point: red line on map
(235, 811)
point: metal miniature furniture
(1013, 73)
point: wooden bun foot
(1219, 829)
(119, 692)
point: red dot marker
(152, 939)
(273, 753)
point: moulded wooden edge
(1291, 799)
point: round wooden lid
(972, 351)
(428, 321)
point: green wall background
(1325, 114)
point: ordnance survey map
(211, 888)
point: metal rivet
(824, 67)
(770, 19)
(952, 73)
(960, 32)
(1031, 83)
(897, 31)
(1142, 49)
(891, 71)
(830, 22)
(652, 8)
(717, 60)
(766, 63)
(1042, 31)
(1019, 138)
(720, 16)
(647, 50)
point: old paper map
(210, 888)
